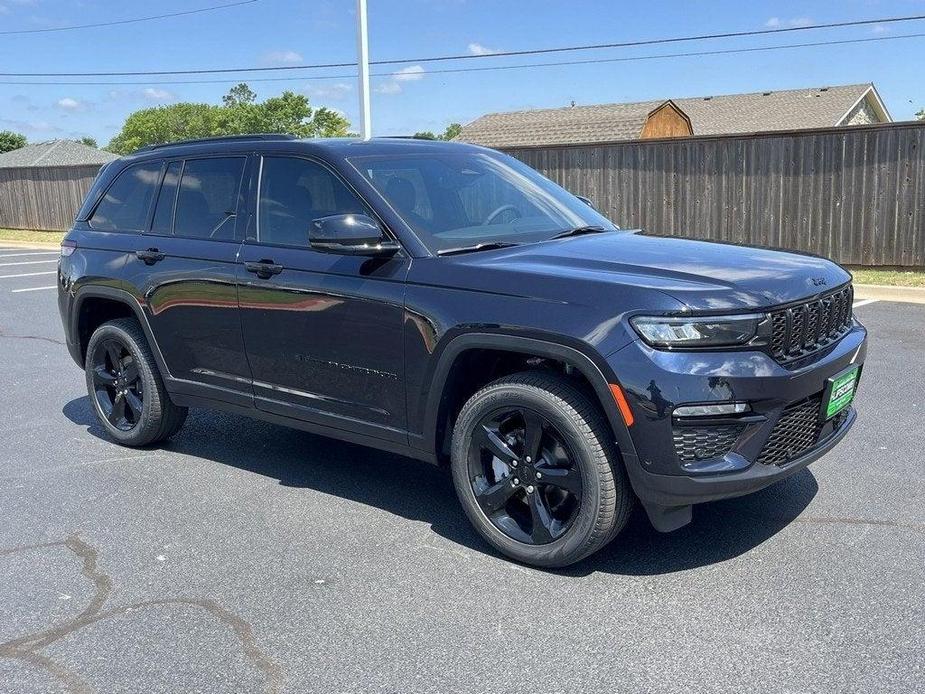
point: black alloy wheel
(118, 387)
(523, 475)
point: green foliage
(239, 114)
(921, 114)
(452, 130)
(10, 140)
(89, 141)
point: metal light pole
(363, 65)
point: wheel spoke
(114, 352)
(541, 531)
(134, 404)
(117, 413)
(130, 372)
(533, 435)
(102, 376)
(494, 497)
(564, 478)
(490, 440)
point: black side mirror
(350, 234)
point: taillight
(68, 248)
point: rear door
(324, 334)
(183, 272)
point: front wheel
(125, 386)
(536, 470)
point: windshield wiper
(579, 231)
(486, 246)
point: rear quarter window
(126, 204)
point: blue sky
(281, 32)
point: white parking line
(864, 302)
(29, 262)
(32, 289)
(17, 255)
(28, 274)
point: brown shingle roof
(54, 153)
(733, 113)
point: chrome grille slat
(802, 329)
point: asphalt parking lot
(244, 557)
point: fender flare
(123, 297)
(589, 368)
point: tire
(147, 415)
(574, 424)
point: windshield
(465, 198)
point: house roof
(54, 153)
(790, 109)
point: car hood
(703, 275)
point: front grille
(802, 329)
(796, 432)
(702, 442)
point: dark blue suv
(446, 302)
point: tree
(239, 114)
(452, 130)
(10, 140)
(89, 141)
(921, 114)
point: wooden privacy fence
(45, 198)
(854, 194)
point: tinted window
(208, 198)
(463, 197)
(166, 200)
(125, 205)
(293, 192)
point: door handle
(150, 256)
(264, 269)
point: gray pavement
(245, 557)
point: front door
(324, 332)
(184, 271)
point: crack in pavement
(26, 648)
(30, 337)
(918, 527)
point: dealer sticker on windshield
(840, 392)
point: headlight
(692, 331)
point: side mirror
(586, 201)
(350, 234)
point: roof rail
(222, 138)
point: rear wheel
(125, 387)
(536, 471)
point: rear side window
(208, 198)
(293, 192)
(126, 204)
(166, 200)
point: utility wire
(502, 54)
(593, 61)
(183, 13)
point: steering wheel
(504, 208)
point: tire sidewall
(563, 550)
(140, 432)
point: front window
(458, 199)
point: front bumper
(667, 478)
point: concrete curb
(30, 244)
(884, 292)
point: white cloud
(69, 104)
(334, 92)
(409, 74)
(155, 94)
(880, 29)
(390, 87)
(778, 23)
(412, 73)
(282, 58)
(478, 49)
